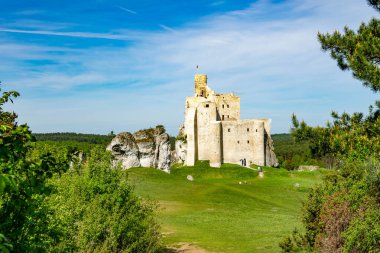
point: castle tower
(200, 85)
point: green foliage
(375, 4)
(353, 136)
(172, 142)
(161, 129)
(343, 213)
(96, 210)
(358, 51)
(363, 234)
(75, 137)
(22, 185)
(295, 242)
(45, 207)
(290, 154)
(5, 246)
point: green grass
(217, 213)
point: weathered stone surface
(180, 151)
(180, 146)
(145, 148)
(270, 156)
(162, 152)
(125, 150)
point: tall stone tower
(200, 85)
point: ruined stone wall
(214, 146)
(228, 106)
(191, 136)
(243, 139)
(206, 112)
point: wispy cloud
(167, 28)
(107, 36)
(127, 10)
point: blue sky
(96, 66)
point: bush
(97, 211)
(342, 214)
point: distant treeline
(291, 154)
(86, 138)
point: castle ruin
(214, 131)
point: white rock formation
(145, 148)
(181, 146)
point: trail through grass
(227, 209)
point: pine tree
(357, 51)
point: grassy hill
(229, 209)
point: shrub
(97, 211)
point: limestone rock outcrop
(144, 148)
(270, 156)
(181, 146)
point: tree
(22, 185)
(343, 213)
(358, 51)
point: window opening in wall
(222, 117)
(229, 130)
(247, 129)
(222, 106)
(248, 142)
(228, 116)
(207, 105)
(256, 130)
(228, 106)
(238, 142)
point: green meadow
(227, 209)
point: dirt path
(187, 248)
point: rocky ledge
(144, 148)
